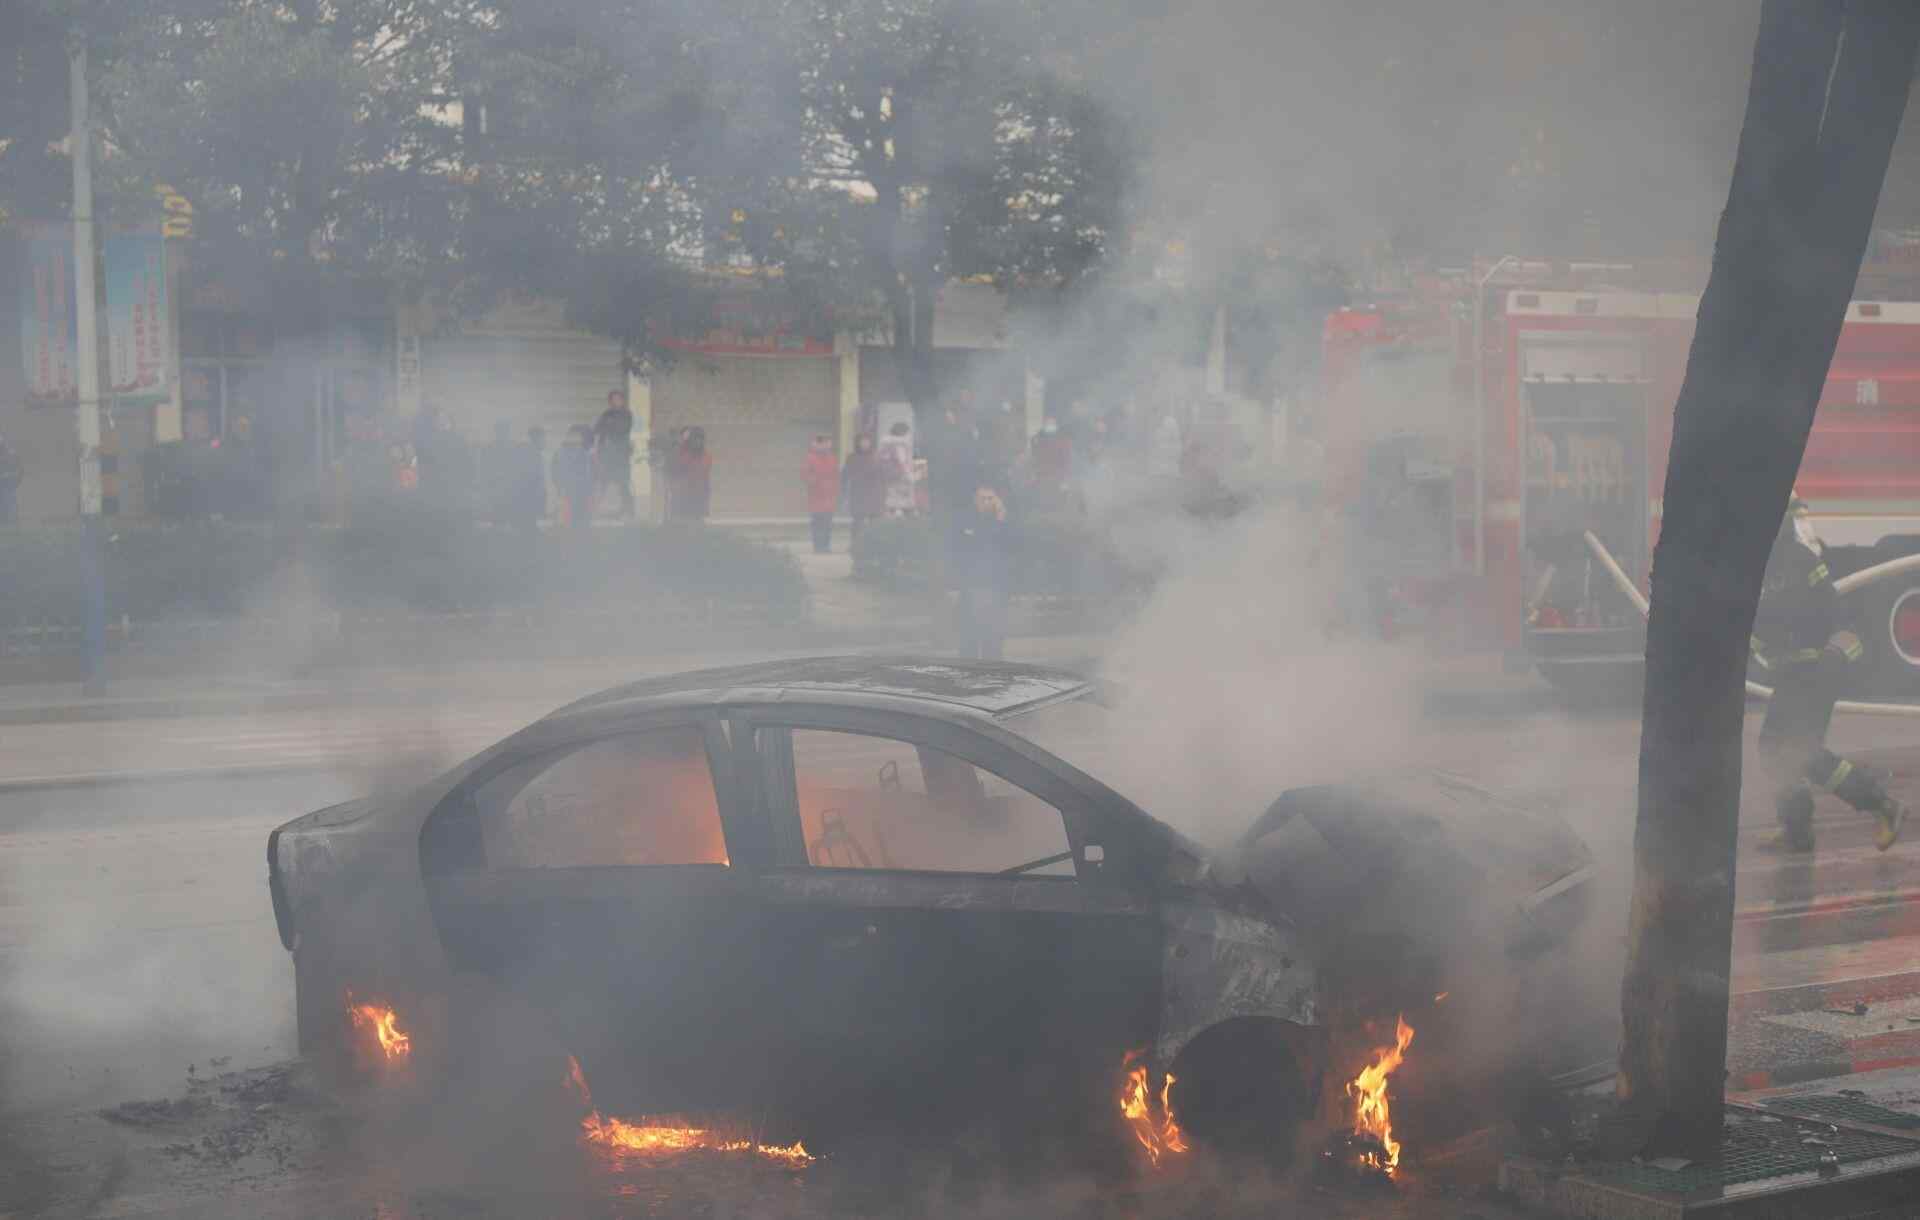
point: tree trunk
(912, 306)
(1830, 82)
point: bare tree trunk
(1830, 82)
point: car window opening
(636, 800)
(875, 803)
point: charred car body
(814, 890)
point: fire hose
(1847, 584)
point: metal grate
(1754, 1147)
(1833, 1107)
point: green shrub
(411, 563)
(897, 552)
(1050, 557)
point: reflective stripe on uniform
(1848, 644)
(1818, 575)
(1840, 772)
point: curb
(1839, 993)
(1828, 921)
(362, 687)
(119, 779)
(1820, 1069)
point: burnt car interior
(871, 802)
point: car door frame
(731, 884)
(775, 811)
(743, 836)
(867, 897)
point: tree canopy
(634, 158)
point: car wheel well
(1244, 1086)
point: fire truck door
(1585, 469)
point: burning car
(817, 891)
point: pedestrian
(406, 467)
(573, 477)
(1052, 464)
(981, 578)
(526, 482)
(1798, 637)
(865, 482)
(613, 452)
(822, 475)
(366, 466)
(11, 473)
(1165, 449)
(959, 466)
(896, 458)
(692, 493)
(496, 464)
(446, 467)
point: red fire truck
(1577, 371)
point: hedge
(405, 564)
(1051, 558)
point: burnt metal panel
(1219, 964)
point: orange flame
(1369, 1089)
(663, 1137)
(1136, 1106)
(394, 1042)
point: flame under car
(829, 892)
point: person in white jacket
(896, 458)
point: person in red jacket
(822, 475)
(690, 492)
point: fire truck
(1571, 372)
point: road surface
(138, 957)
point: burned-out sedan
(816, 892)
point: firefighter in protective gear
(1799, 640)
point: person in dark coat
(959, 467)
(981, 576)
(11, 472)
(1800, 639)
(613, 451)
(865, 482)
(573, 476)
(495, 464)
(446, 467)
(527, 481)
(368, 467)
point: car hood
(1412, 842)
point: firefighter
(1799, 641)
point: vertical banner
(139, 357)
(48, 326)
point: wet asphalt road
(138, 954)
(136, 935)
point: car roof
(998, 689)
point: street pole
(87, 379)
(87, 370)
(1480, 417)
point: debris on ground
(154, 1113)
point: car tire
(1891, 628)
(1243, 1087)
(319, 1001)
